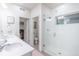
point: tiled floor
(37, 53)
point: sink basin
(11, 47)
(2, 42)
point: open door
(36, 32)
(24, 29)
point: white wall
(40, 10)
(34, 13)
(46, 12)
(14, 11)
(66, 41)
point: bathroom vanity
(14, 46)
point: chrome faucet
(2, 40)
(2, 44)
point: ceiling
(53, 5)
(27, 5)
(32, 5)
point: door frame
(38, 32)
(26, 20)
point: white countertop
(20, 50)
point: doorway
(36, 32)
(24, 33)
